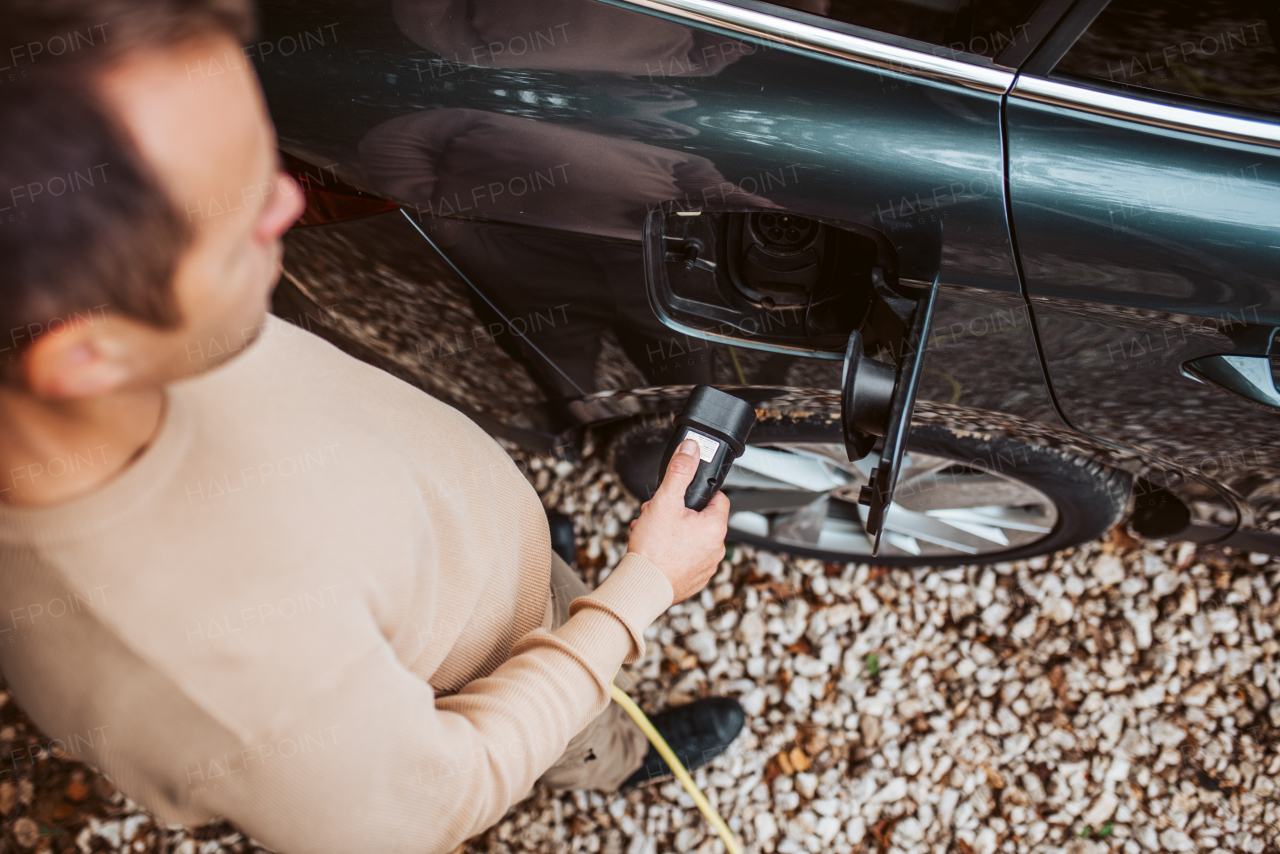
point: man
(241, 579)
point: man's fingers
(718, 506)
(680, 471)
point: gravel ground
(1122, 696)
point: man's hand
(686, 545)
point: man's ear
(78, 361)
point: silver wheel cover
(806, 495)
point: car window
(982, 27)
(1218, 50)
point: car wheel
(962, 498)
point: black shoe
(562, 536)
(698, 732)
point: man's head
(145, 200)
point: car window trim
(1144, 111)
(1063, 36)
(865, 51)
(1042, 21)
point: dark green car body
(1106, 245)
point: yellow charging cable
(655, 738)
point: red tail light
(328, 199)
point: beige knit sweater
(316, 605)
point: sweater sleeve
(390, 764)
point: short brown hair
(85, 223)
(96, 33)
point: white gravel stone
(827, 806)
(840, 614)
(1165, 583)
(753, 701)
(1026, 627)
(910, 830)
(807, 784)
(766, 826)
(911, 762)
(1167, 734)
(1111, 725)
(1149, 697)
(995, 614)
(1119, 770)
(770, 564)
(750, 628)
(110, 831)
(986, 842)
(1101, 810)
(1173, 839)
(1141, 623)
(893, 792)
(1108, 570)
(1224, 620)
(1199, 694)
(703, 644)
(1059, 610)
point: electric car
(1049, 228)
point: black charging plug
(720, 424)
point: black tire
(1090, 498)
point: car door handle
(1247, 376)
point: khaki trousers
(612, 747)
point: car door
(1144, 183)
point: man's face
(209, 139)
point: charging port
(771, 279)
